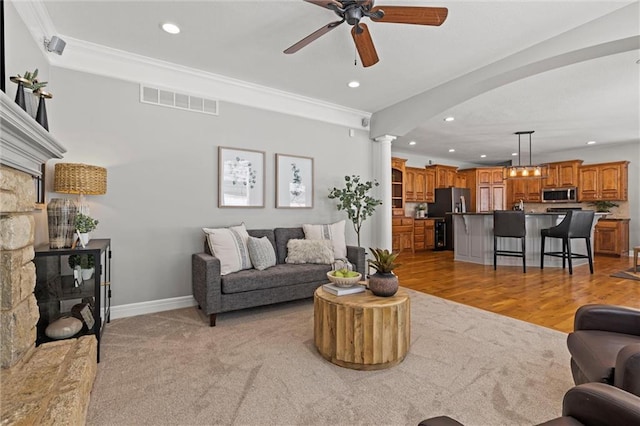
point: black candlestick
(20, 92)
(41, 116)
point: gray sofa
(249, 288)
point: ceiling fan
(353, 11)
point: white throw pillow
(261, 253)
(309, 251)
(333, 232)
(230, 246)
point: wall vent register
(169, 98)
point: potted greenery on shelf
(84, 225)
(354, 198)
(85, 262)
(384, 282)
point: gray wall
(162, 175)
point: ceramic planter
(384, 285)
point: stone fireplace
(50, 383)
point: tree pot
(384, 285)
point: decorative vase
(87, 274)
(20, 99)
(84, 238)
(383, 284)
(41, 114)
(61, 215)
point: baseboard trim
(153, 306)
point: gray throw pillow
(261, 253)
(309, 251)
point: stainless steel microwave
(560, 195)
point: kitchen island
(473, 233)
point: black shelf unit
(57, 289)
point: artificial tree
(354, 198)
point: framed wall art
(240, 177)
(294, 181)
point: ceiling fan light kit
(352, 11)
(529, 171)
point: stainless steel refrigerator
(449, 200)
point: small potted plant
(384, 282)
(84, 225)
(86, 263)
(421, 210)
(603, 206)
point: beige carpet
(260, 367)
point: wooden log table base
(362, 331)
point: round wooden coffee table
(362, 331)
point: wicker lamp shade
(75, 178)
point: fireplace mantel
(24, 144)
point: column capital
(385, 138)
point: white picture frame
(294, 182)
(241, 177)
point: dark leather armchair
(605, 346)
(590, 404)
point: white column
(382, 173)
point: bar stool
(576, 224)
(509, 224)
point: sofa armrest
(617, 319)
(356, 255)
(205, 282)
(627, 370)
(599, 403)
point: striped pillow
(230, 246)
(261, 253)
(333, 232)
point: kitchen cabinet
(402, 234)
(562, 174)
(488, 189)
(397, 186)
(423, 234)
(415, 184)
(612, 237)
(604, 181)
(445, 175)
(527, 190)
(430, 186)
(461, 180)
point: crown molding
(96, 59)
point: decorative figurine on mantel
(30, 81)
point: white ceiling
(598, 99)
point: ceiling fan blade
(311, 37)
(328, 4)
(364, 44)
(412, 15)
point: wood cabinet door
(484, 198)
(551, 181)
(534, 189)
(429, 235)
(497, 176)
(567, 174)
(461, 180)
(451, 178)
(606, 238)
(609, 182)
(588, 183)
(410, 185)
(484, 177)
(430, 186)
(420, 185)
(498, 198)
(441, 177)
(518, 190)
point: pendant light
(529, 171)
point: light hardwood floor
(547, 297)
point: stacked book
(341, 291)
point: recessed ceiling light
(591, 142)
(354, 84)
(515, 154)
(452, 150)
(170, 28)
(412, 143)
(449, 119)
(483, 156)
